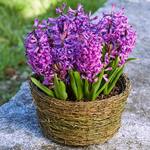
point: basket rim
(124, 93)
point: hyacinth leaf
(115, 80)
(73, 84)
(105, 90)
(103, 52)
(79, 84)
(111, 79)
(42, 87)
(115, 63)
(96, 85)
(60, 89)
(86, 88)
(130, 59)
(55, 87)
(112, 76)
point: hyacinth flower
(71, 54)
(118, 42)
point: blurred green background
(16, 19)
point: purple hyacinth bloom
(73, 41)
(67, 42)
(89, 55)
(118, 36)
(38, 53)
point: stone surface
(19, 128)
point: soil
(115, 91)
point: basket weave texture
(80, 123)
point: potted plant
(78, 84)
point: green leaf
(96, 85)
(79, 84)
(76, 84)
(115, 63)
(105, 85)
(130, 59)
(86, 88)
(60, 88)
(56, 84)
(112, 85)
(105, 90)
(73, 84)
(103, 52)
(42, 87)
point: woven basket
(81, 123)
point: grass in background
(16, 20)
